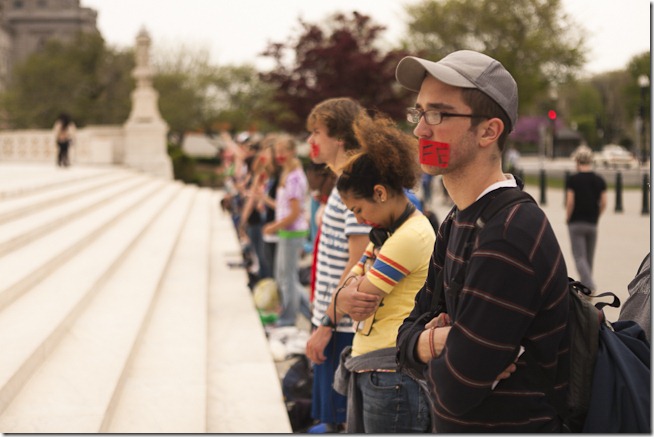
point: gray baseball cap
(464, 69)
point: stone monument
(145, 130)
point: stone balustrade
(93, 145)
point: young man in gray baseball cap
(505, 286)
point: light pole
(551, 114)
(643, 83)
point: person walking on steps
(64, 131)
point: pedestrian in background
(584, 203)
(64, 131)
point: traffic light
(551, 114)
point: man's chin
(431, 170)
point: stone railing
(92, 145)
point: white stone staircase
(119, 313)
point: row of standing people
(504, 290)
(343, 246)
(266, 195)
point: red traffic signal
(551, 114)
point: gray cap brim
(411, 71)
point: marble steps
(26, 202)
(126, 316)
(164, 388)
(70, 376)
(22, 180)
(241, 372)
(44, 216)
(26, 266)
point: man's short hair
(481, 103)
(583, 155)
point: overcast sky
(236, 31)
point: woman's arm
(273, 227)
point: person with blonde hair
(392, 269)
(292, 227)
(585, 201)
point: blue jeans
(328, 406)
(392, 402)
(256, 240)
(287, 274)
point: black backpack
(609, 373)
(297, 388)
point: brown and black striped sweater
(514, 293)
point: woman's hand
(269, 229)
(358, 305)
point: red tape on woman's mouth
(433, 153)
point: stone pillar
(145, 130)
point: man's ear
(490, 131)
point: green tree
(581, 104)
(83, 78)
(339, 57)
(182, 77)
(614, 118)
(639, 65)
(195, 95)
(534, 39)
(240, 100)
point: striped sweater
(338, 224)
(514, 294)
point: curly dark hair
(389, 157)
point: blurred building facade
(26, 25)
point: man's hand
(439, 321)
(435, 336)
(507, 372)
(358, 305)
(317, 343)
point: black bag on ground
(297, 388)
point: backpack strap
(499, 202)
(505, 199)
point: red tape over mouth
(315, 150)
(433, 153)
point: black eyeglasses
(434, 117)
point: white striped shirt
(338, 223)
